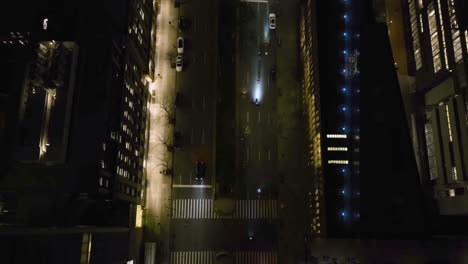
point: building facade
(81, 118)
(434, 48)
(329, 38)
(358, 141)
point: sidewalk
(290, 138)
(158, 205)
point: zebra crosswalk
(255, 257)
(195, 257)
(204, 209)
(208, 257)
(193, 208)
(253, 209)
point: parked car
(272, 20)
(180, 45)
(200, 168)
(179, 63)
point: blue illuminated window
(343, 128)
(344, 34)
(343, 108)
(344, 70)
(343, 213)
(344, 90)
(345, 52)
(345, 16)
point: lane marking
(191, 186)
(247, 117)
(203, 136)
(259, 117)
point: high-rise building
(73, 129)
(359, 148)
(329, 38)
(434, 49)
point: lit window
(452, 192)
(442, 30)
(45, 23)
(415, 34)
(337, 148)
(103, 165)
(100, 181)
(434, 37)
(336, 135)
(104, 146)
(337, 162)
(457, 47)
(454, 171)
(448, 123)
(466, 39)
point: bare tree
(171, 55)
(168, 107)
(165, 162)
(166, 141)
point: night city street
(234, 131)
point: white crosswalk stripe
(256, 209)
(193, 208)
(256, 257)
(203, 209)
(192, 257)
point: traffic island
(225, 207)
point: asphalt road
(195, 230)
(257, 126)
(194, 119)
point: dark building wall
(338, 49)
(391, 195)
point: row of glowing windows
(337, 136)
(337, 148)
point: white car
(272, 20)
(179, 63)
(180, 45)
